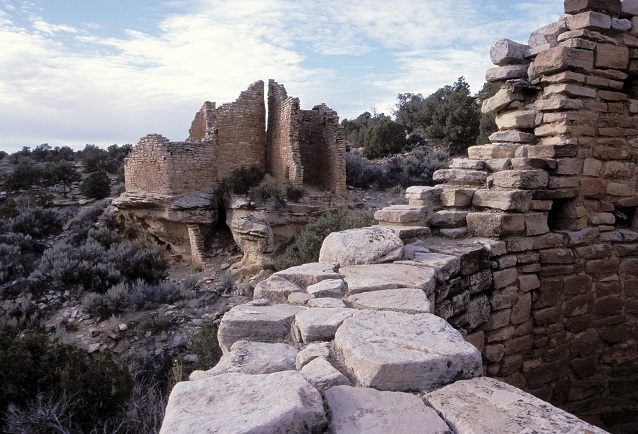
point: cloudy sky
(110, 71)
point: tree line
(449, 118)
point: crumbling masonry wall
(159, 166)
(283, 154)
(323, 149)
(558, 185)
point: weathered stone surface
(299, 298)
(457, 197)
(406, 300)
(233, 403)
(398, 214)
(508, 72)
(359, 410)
(504, 409)
(362, 278)
(444, 266)
(252, 358)
(427, 194)
(589, 19)
(516, 119)
(321, 374)
(397, 351)
(629, 7)
(512, 136)
(498, 150)
(252, 322)
(574, 6)
(500, 100)
(562, 58)
(325, 302)
(311, 352)
(486, 224)
(361, 246)
(328, 288)
(611, 56)
(546, 36)
(254, 238)
(506, 52)
(460, 177)
(275, 288)
(505, 200)
(309, 274)
(448, 219)
(524, 179)
(319, 324)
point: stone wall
(159, 166)
(323, 149)
(283, 153)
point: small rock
(93, 348)
(321, 374)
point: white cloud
(63, 84)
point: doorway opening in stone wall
(220, 239)
(626, 217)
(563, 215)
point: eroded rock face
(254, 238)
(406, 300)
(369, 411)
(400, 352)
(234, 403)
(361, 246)
(503, 408)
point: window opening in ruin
(221, 225)
(563, 215)
(625, 216)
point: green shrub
(308, 243)
(268, 192)
(206, 346)
(37, 222)
(360, 172)
(23, 177)
(294, 194)
(240, 181)
(96, 186)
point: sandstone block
(523, 179)
(278, 402)
(508, 72)
(630, 7)
(276, 289)
(512, 136)
(360, 410)
(252, 358)
(561, 103)
(621, 24)
(406, 300)
(574, 6)
(546, 36)
(401, 352)
(328, 288)
(363, 278)
(562, 58)
(401, 214)
(444, 266)
(270, 323)
(459, 177)
(500, 100)
(361, 246)
(322, 375)
(457, 197)
(501, 150)
(516, 119)
(429, 195)
(536, 223)
(311, 352)
(311, 273)
(485, 224)
(319, 324)
(589, 19)
(506, 52)
(514, 200)
(466, 163)
(448, 219)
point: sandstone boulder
(361, 246)
(311, 352)
(325, 302)
(402, 352)
(506, 52)
(321, 374)
(504, 409)
(276, 289)
(362, 278)
(328, 288)
(311, 273)
(319, 324)
(241, 403)
(359, 410)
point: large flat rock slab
(401, 352)
(360, 410)
(270, 323)
(406, 300)
(402, 214)
(311, 273)
(319, 324)
(482, 405)
(361, 246)
(253, 358)
(240, 403)
(362, 278)
(276, 289)
(444, 266)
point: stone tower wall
(241, 132)
(283, 153)
(323, 149)
(558, 184)
(204, 123)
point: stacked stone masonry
(558, 185)
(301, 147)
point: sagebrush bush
(240, 181)
(206, 346)
(38, 222)
(226, 283)
(294, 194)
(308, 243)
(360, 172)
(268, 192)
